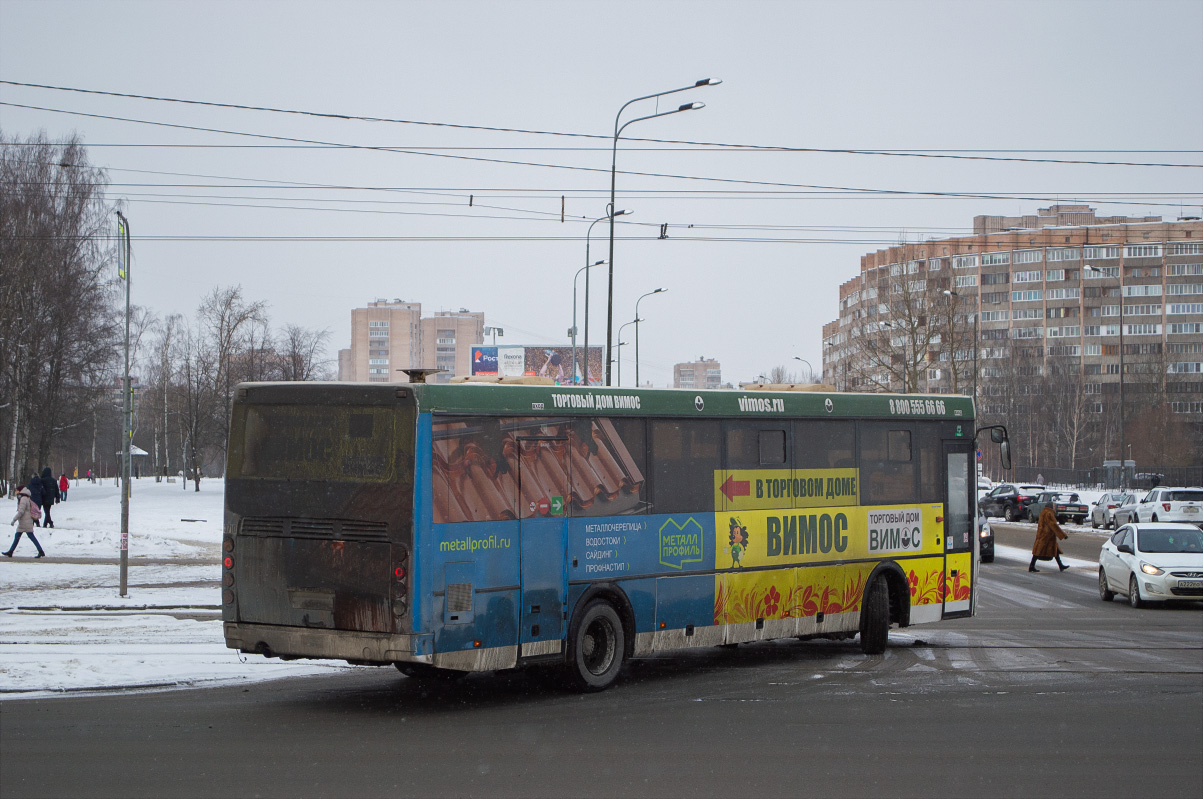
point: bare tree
(300, 353)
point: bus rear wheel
(875, 618)
(596, 645)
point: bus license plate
(1190, 583)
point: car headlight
(985, 532)
(1153, 570)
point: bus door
(543, 483)
(960, 539)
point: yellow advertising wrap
(844, 544)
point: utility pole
(127, 403)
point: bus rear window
(317, 442)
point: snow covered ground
(63, 626)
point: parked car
(1126, 512)
(1065, 504)
(1152, 563)
(985, 538)
(984, 484)
(1167, 504)
(1103, 512)
(1009, 500)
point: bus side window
(754, 445)
(824, 445)
(473, 470)
(609, 471)
(683, 458)
(888, 470)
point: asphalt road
(1047, 692)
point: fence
(1102, 478)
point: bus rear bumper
(306, 642)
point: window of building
(377, 324)
(1073, 350)
(1069, 331)
(1187, 328)
(378, 361)
(1026, 296)
(1028, 277)
(1027, 332)
(1142, 251)
(1186, 248)
(1027, 313)
(1054, 274)
(1186, 367)
(1142, 310)
(964, 261)
(1092, 253)
(1094, 349)
(1191, 346)
(1183, 270)
(995, 258)
(1177, 308)
(1092, 330)
(1029, 257)
(1062, 254)
(935, 264)
(963, 281)
(1066, 312)
(994, 297)
(1063, 294)
(995, 316)
(995, 278)
(1178, 289)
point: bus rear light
(227, 544)
(227, 596)
(476, 644)
(400, 606)
(228, 562)
(399, 572)
(227, 579)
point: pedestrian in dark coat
(1046, 546)
(24, 521)
(35, 493)
(49, 495)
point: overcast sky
(460, 217)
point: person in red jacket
(63, 485)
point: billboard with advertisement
(553, 362)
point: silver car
(1126, 512)
(1103, 512)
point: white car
(1152, 563)
(1165, 504)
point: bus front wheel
(596, 645)
(875, 618)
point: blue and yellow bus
(471, 527)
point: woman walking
(63, 485)
(24, 522)
(1046, 546)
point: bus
(467, 527)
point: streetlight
(613, 172)
(953, 355)
(621, 328)
(1123, 469)
(574, 278)
(127, 405)
(650, 293)
(610, 214)
(808, 366)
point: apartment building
(699, 374)
(1052, 295)
(387, 336)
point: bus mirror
(1005, 450)
(997, 435)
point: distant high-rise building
(389, 336)
(702, 373)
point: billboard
(553, 362)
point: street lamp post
(808, 366)
(127, 405)
(574, 279)
(1123, 470)
(650, 293)
(613, 173)
(610, 214)
(621, 328)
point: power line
(495, 129)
